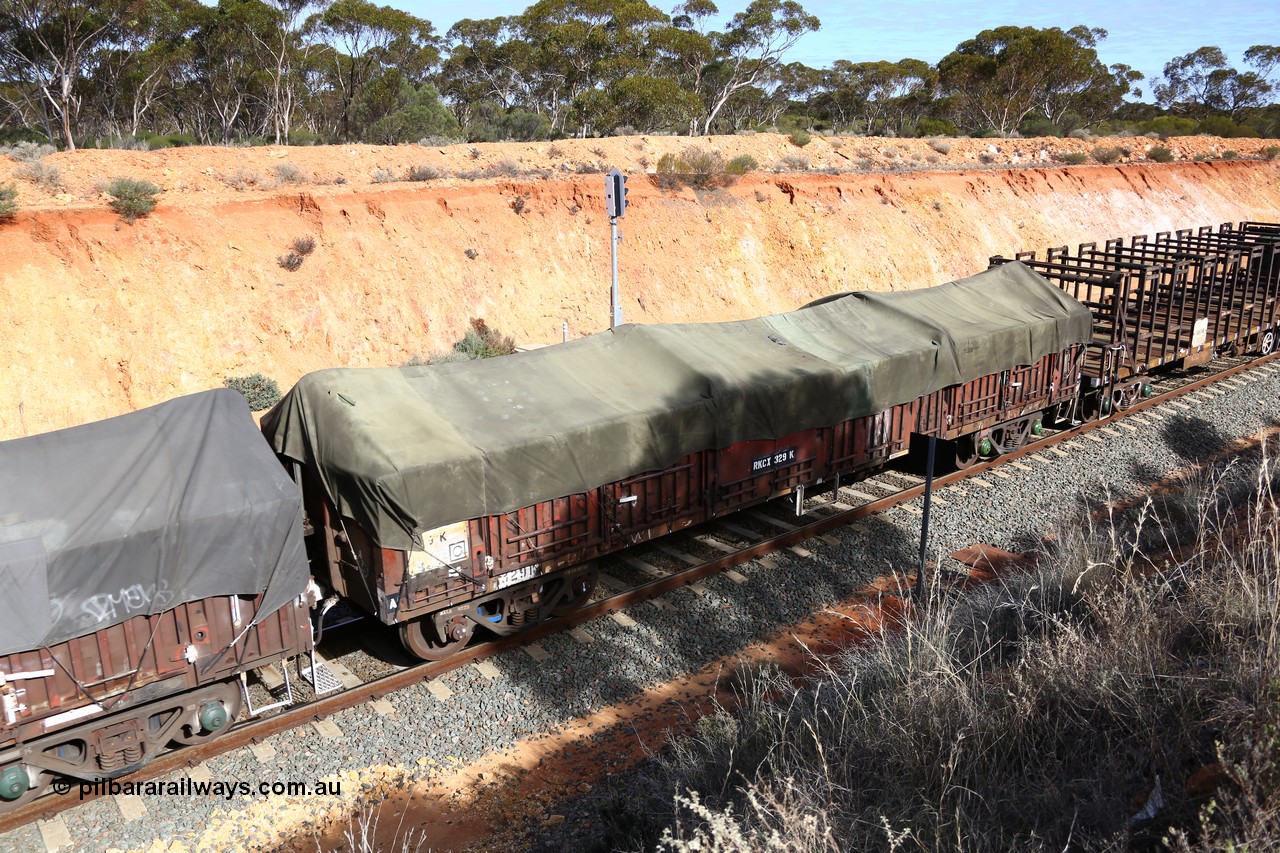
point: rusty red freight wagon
(147, 562)
(453, 497)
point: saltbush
(700, 168)
(1159, 154)
(260, 392)
(1107, 156)
(45, 175)
(27, 152)
(424, 173)
(484, 341)
(800, 138)
(8, 201)
(287, 173)
(132, 198)
(1073, 158)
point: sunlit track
(678, 560)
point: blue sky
(1144, 35)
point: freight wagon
(147, 563)
(449, 498)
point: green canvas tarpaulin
(404, 450)
(139, 513)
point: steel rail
(253, 731)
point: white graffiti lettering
(112, 607)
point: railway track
(645, 573)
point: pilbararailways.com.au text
(187, 787)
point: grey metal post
(924, 522)
(565, 329)
(615, 309)
(615, 202)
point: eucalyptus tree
(50, 46)
(138, 68)
(369, 42)
(751, 47)
(582, 47)
(1202, 81)
(999, 77)
(877, 97)
(488, 61)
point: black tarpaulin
(139, 513)
(405, 450)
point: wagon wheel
(1126, 396)
(1009, 437)
(966, 451)
(421, 639)
(216, 711)
(578, 594)
(34, 789)
(1267, 342)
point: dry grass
(1035, 714)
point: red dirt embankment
(101, 317)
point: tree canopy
(76, 72)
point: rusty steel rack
(1178, 298)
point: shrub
(1038, 126)
(424, 173)
(1167, 126)
(1081, 133)
(132, 198)
(480, 341)
(28, 152)
(384, 176)
(1159, 154)
(260, 392)
(555, 151)
(129, 143)
(942, 146)
(704, 168)
(936, 127)
(471, 253)
(1230, 154)
(439, 141)
(304, 138)
(1271, 152)
(518, 203)
(292, 261)
(793, 163)
(1073, 158)
(1224, 127)
(503, 169)
(800, 138)
(287, 173)
(484, 341)
(303, 245)
(241, 180)
(741, 165)
(1107, 156)
(667, 176)
(8, 201)
(45, 175)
